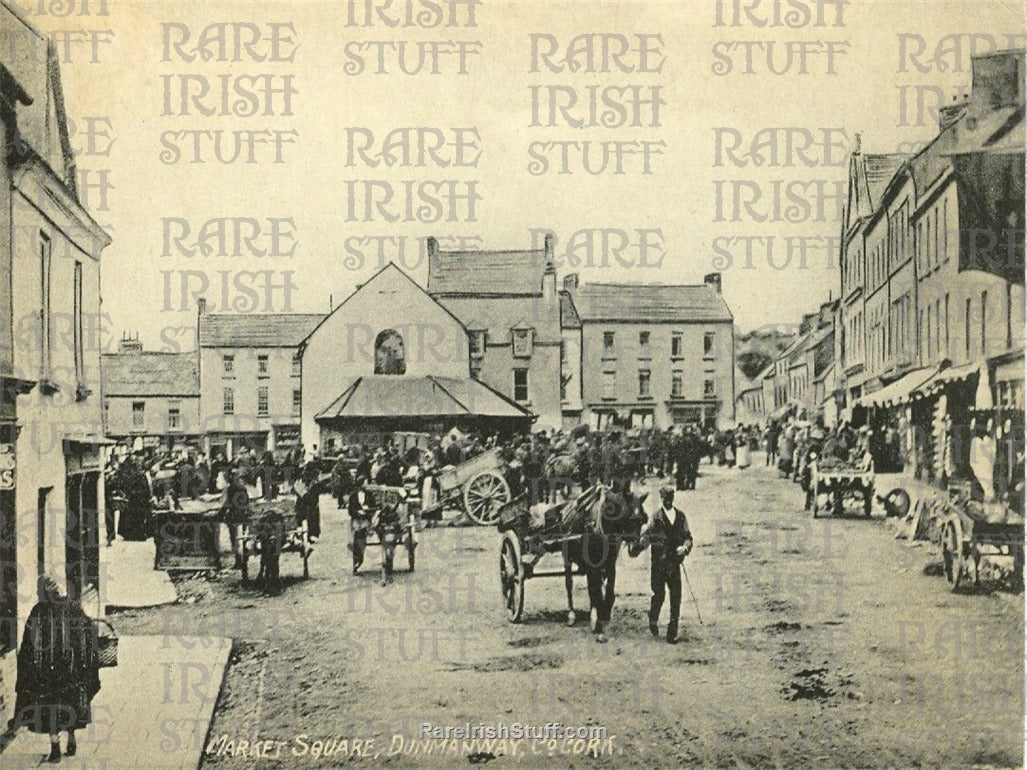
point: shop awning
(395, 396)
(949, 376)
(898, 392)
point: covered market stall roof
(392, 396)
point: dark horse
(612, 518)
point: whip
(691, 593)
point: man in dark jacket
(668, 534)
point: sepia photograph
(569, 384)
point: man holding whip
(671, 540)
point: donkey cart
(270, 532)
(971, 530)
(392, 522)
(568, 528)
(476, 485)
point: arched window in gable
(389, 353)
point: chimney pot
(713, 279)
(201, 305)
(570, 281)
(550, 243)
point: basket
(106, 644)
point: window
(389, 353)
(520, 385)
(262, 365)
(675, 345)
(947, 341)
(966, 328)
(609, 342)
(522, 343)
(677, 381)
(709, 390)
(138, 414)
(476, 340)
(229, 365)
(174, 415)
(709, 341)
(609, 385)
(77, 323)
(1009, 313)
(984, 323)
(228, 401)
(262, 401)
(297, 400)
(44, 304)
(644, 377)
(643, 344)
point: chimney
(549, 244)
(432, 247)
(713, 279)
(950, 113)
(549, 281)
(997, 79)
(130, 344)
(201, 306)
(570, 282)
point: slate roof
(649, 302)
(498, 315)
(483, 273)
(430, 396)
(150, 374)
(256, 330)
(871, 174)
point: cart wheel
(411, 548)
(896, 503)
(952, 552)
(511, 576)
(484, 495)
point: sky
(491, 95)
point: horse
(611, 519)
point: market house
(392, 359)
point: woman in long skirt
(58, 670)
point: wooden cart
(477, 485)
(843, 487)
(971, 530)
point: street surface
(825, 643)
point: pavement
(153, 710)
(132, 582)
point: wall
(342, 348)
(628, 360)
(155, 415)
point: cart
(844, 487)
(393, 522)
(272, 525)
(971, 530)
(477, 485)
(524, 543)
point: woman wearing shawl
(58, 670)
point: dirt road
(825, 643)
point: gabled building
(655, 354)
(509, 304)
(151, 398)
(51, 418)
(249, 374)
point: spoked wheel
(511, 576)
(952, 553)
(896, 502)
(484, 495)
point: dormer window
(522, 341)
